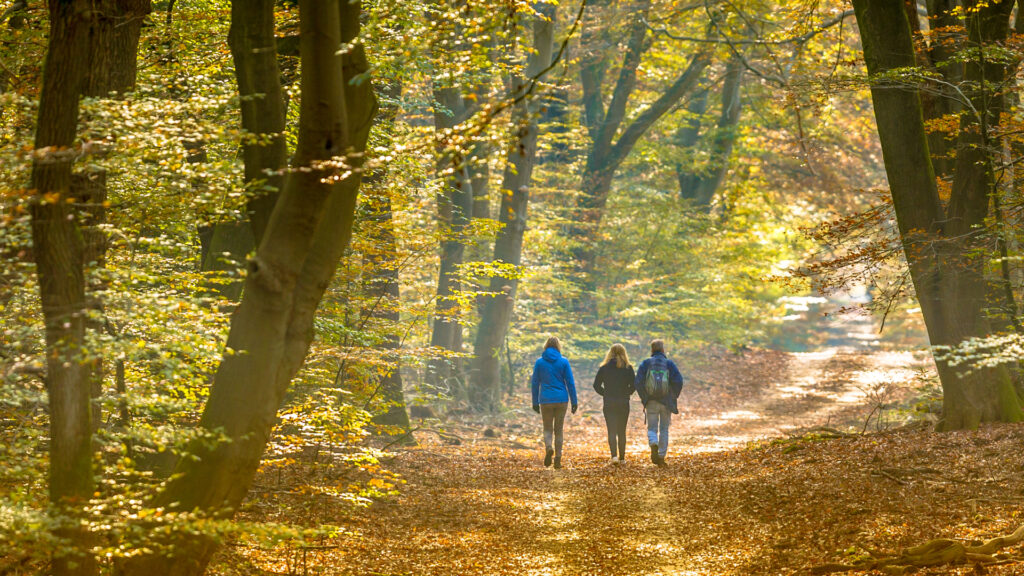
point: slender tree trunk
(273, 326)
(508, 246)
(59, 254)
(941, 246)
(687, 138)
(455, 205)
(111, 72)
(264, 151)
(261, 99)
(725, 136)
(605, 158)
(381, 283)
(700, 186)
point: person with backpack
(615, 383)
(553, 388)
(659, 383)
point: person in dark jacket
(660, 395)
(615, 383)
(553, 389)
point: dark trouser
(553, 416)
(616, 414)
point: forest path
(721, 506)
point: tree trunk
(699, 186)
(508, 246)
(455, 205)
(273, 326)
(264, 150)
(59, 254)
(686, 139)
(605, 158)
(382, 285)
(725, 136)
(261, 100)
(941, 245)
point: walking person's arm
(631, 385)
(675, 378)
(599, 381)
(638, 382)
(570, 383)
(535, 388)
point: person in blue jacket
(553, 390)
(659, 383)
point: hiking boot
(654, 453)
(661, 461)
(547, 457)
(558, 462)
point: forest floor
(746, 490)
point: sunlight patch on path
(828, 387)
(556, 528)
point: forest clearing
(403, 287)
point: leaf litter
(775, 503)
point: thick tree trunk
(273, 326)
(940, 245)
(59, 254)
(508, 246)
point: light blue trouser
(658, 421)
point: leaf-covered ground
(723, 506)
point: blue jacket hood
(552, 380)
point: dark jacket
(675, 379)
(552, 380)
(614, 383)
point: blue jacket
(552, 379)
(675, 379)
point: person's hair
(657, 346)
(553, 343)
(617, 353)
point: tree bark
(700, 187)
(605, 157)
(273, 326)
(261, 100)
(941, 245)
(58, 249)
(687, 138)
(455, 207)
(262, 104)
(508, 246)
(381, 283)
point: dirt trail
(489, 506)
